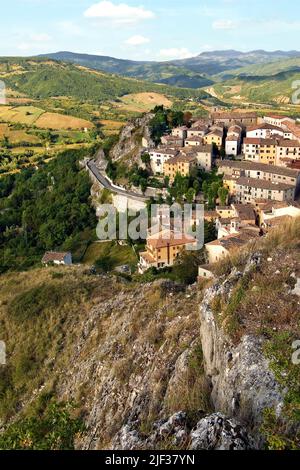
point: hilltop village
(259, 161)
(243, 168)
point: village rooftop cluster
(259, 159)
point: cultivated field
(17, 136)
(30, 115)
(60, 121)
(140, 102)
(21, 114)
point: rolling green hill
(157, 72)
(42, 79)
(193, 72)
(264, 87)
(262, 70)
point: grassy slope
(61, 320)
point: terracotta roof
(293, 164)
(264, 126)
(235, 128)
(204, 148)
(236, 240)
(174, 239)
(293, 128)
(280, 220)
(215, 132)
(258, 141)
(245, 211)
(234, 115)
(54, 256)
(263, 184)
(165, 151)
(288, 143)
(181, 128)
(147, 257)
(171, 138)
(276, 116)
(199, 128)
(266, 204)
(263, 167)
(194, 138)
(181, 158)
(200, 122)
(217, 128)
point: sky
(147, 29)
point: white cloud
(175, 53)
(42, 37)
(34, 41)
(137, 40)
(24, 46)
(224, 24)
(120, 13)
(70, 28)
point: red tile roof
(54, 256)
(174, 239)
(258, 141)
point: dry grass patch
(20, 114)
(60, 121)
(140, 102)
(191, 392)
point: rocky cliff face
(242, 386)
(214, 432)
(131, 358)
(242, 383)
(129, 147)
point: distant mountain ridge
(166, 73)
(193, 72)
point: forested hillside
(43, 210)
(41, 79)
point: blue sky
(147, 30)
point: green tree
(223, 195)
(5, 142)
(145, 158)
(186, 267)
(143, 184)
(190, 195)
(196, 186)
(56, 429)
